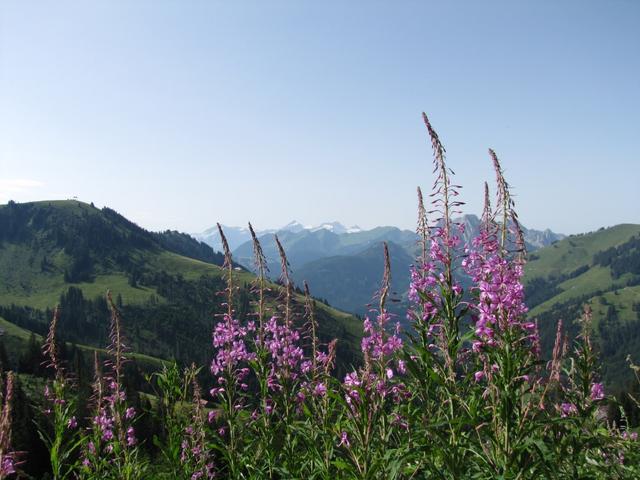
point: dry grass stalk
(228, 267)
(260, 262)
(287, 284)
(312, 325)
(386, 279)
(50, 349)
(116, 348)
(423, 228)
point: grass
(623, 299)
(573, 252)
(595, 279)
(47, 293)
(189, 268)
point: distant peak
(335, 227)
(293, 226)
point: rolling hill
(70, 253)
(599, 268)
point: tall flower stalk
(61, 433)
(110, 448)
(437, 313)
(372, 396)
(504, 343)
(196, 458)
(229, 367)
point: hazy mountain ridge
(314, 250)
(236, 236)
(355, 279)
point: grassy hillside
(71, 253)
(567, 255)
(600, 269)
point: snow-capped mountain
(337, 228)
(236, 236)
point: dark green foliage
(540, 289)
(25, 437)
(614, 339)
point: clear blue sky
(180, 114)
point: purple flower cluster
(104, 423)
(377, 344)
(500, 303)
(110, 425)
(567, 409)
(428, 277)
(379, 349)
(287, 357)
(193, 451)
(228, 339)
(422, 290)
(597, 391)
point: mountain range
(344, 264)
(236, 236)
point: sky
(179, 114)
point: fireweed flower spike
(373, 394)
(437, 312)
(262, 420)
(110, 447)
(584, 372)
(506, 208)
(229, 367)
(60, 406)
(287, 370)
(286, 283)
(506, 344)
(282, 339)
(195, 457)
(262, 270)
(434, 292)
(423, 229)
